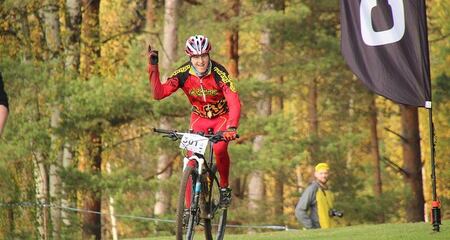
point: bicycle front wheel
(186, 218)
(217, 217)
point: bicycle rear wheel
(216, 222)
(186, 219)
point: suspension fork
(197, 184)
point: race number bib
(194, 143)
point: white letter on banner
(372, 38)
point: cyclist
(215, 101)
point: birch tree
(72, 69)
(40, 171)
(263, 109)
(73, 28)
(169, 55)
(53, 39)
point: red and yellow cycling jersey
(211, 96)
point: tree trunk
(162, 196)
(41, 183)
(277, 108)
(114, 233)
(40, 174)
(255, 190)
(263, 109)
(280, 177)
(90, 36)
(151, 23)
(54, 178)
(111, 210)
(25, 26)
(412, 164)
(278, 101)
(232, 40)
(92, 198)
(72, 67)
(42, 55)
(91, 51)
(53, 40)
(232, 50)
(313, 121)
(73, 28)
(279, 194)
(170, 36)
(52, 27)
(169, 49)
(256, 181)
(377, 187)
(67, 199)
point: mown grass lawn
(404, 231)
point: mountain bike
(198, 200)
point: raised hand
(152, 56)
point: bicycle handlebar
(158, 130)
(175, 135)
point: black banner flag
(385, 44)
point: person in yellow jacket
(315, 207)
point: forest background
(79, 131)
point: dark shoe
(225, 197)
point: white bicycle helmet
(197, 45)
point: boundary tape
(37, 204)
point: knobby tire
(219, 220)
(188, 173)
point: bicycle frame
(200, 160)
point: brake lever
(175, 137)
(216, 138)
(171, 136)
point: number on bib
(194, 143)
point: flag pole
(435, 204)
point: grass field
(405, 231)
